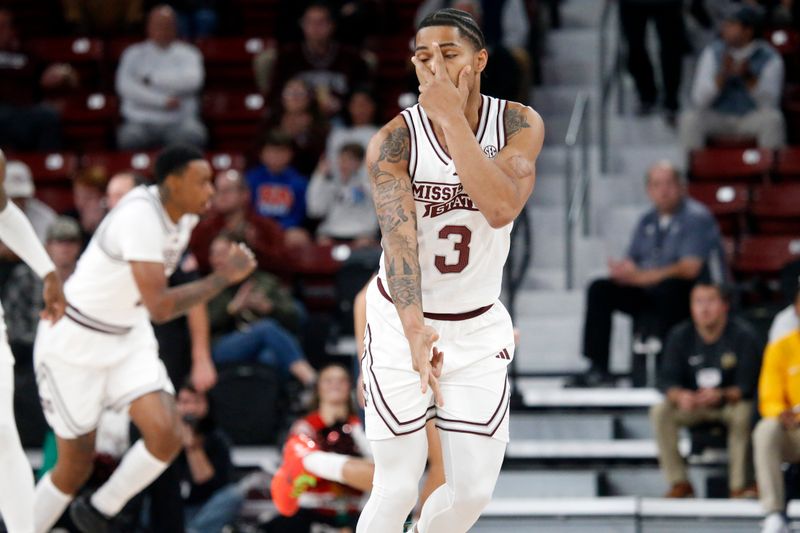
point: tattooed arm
(387, 162)
(499, 187)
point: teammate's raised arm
(387, 162)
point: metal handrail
(609, 77)
(576, 191)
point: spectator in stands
(250, 322)
(708, 374)
(359, 125)
(355, 19)
(205, 466)
(197, 19)
(25, 124)
(158, 82)
(506, 28)
(22, 296)
(777, 436)
(668, 18)
(279, 190)
(20, 189)
(331, 68)
(102, 18)
(673, 244)
(119, 185)
(343, 200)
(327, 463)
(88, 194)
(298, 116)
(737, 86)
(232, 212)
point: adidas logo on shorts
(503, 355)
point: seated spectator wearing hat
(343, 200)
(708, 374)
(676, 242)
(737, 86)
(158, 82)
(278, 189)
(22, 295)
(20, 189)
(232, 212)
(777, 436)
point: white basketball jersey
(460, 255)
(137, 229)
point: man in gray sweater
(158, 82)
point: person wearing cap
(776, 438)
(20, 189)
(16, 481)
(737, 86)
(22, 294)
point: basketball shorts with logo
(474, 380)
(81, 371)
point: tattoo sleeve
(184, 297)
(514, 120)
(394, 204)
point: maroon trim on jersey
(491, 418)
(93, 324)
(501, 140)
(431, 135)
(490, 434)
(483, 112)
(441, 316)
(413, 154)
(385, 403)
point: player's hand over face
(54, 302)
(427, 360)
(239, 264)
(439, 97)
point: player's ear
(481, 58)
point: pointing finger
(439, 68)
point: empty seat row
(744, 164)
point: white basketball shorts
(477, 348)
(84, 367)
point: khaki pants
(773, 445)
(765, 123)
(667, 421)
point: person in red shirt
(232, 212)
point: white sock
(16, 477)
(137, 470)
(49, 504)
(326, 465)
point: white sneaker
(775, 523)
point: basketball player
(16, 481)
(449, 176)
(104, 353)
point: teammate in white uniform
(104, 354)
(16, 477)
(449, 176)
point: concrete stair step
(543, 426)
(544, 483)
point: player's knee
(163, 437)
(472, 497)
(402, 492)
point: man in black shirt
(709, 373)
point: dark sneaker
(87, 518)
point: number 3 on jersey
(461, 246)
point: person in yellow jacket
(777, 436)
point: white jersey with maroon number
(138, 229)
(460, 255)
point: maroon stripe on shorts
(441, 316)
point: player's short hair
(456, 18)
(174, 160)
(354, 149)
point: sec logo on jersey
(490, 151)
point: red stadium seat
(54, 167)
(84, 54)
(788, 164)
(114, 162)
(728, 203)
(765, 255)
(731, 164)
(787, 42)
(233, 118)
(777, 209)
(88, 121)
(226, 160)
(732, 141)
(229, 61)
